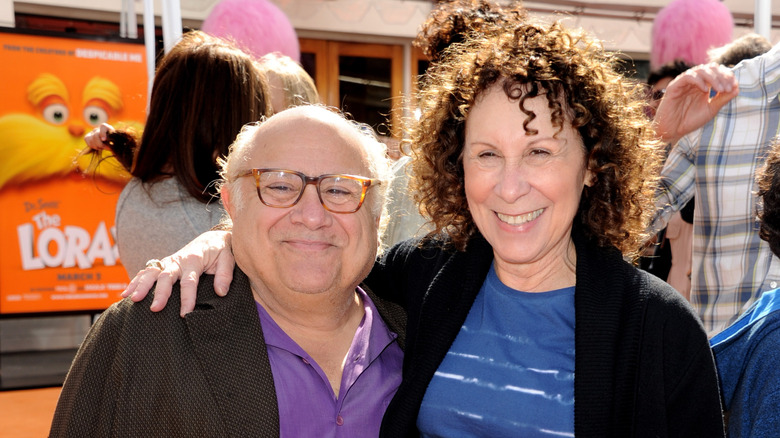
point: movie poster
(57, 246)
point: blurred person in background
(289, 83)
(721, 122)
(204, 91)
(667, 258)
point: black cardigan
(643, 366)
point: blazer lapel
(228, 341)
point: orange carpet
(27, 412)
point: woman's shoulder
(136, 193)
(437, 247)
(666, 309)
(639, 292)
(416, 246)
(167, 198)
(129, 190)
(656, 293)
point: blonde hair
(297, 85)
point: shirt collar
(371, 337)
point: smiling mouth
(519, 219)
(309, 245)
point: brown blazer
(140, 373)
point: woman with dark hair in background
(204, 91)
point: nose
(309, 210)
(76, 130)
(513, 182)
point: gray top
(158, 219)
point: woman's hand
(97, 138)
(209, 253)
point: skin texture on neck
(323, 325)
(540, 278)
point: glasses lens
(341, 194)
(279, 188)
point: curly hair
(768, 181)
(451, 21)
(582, 87)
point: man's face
(304, 248)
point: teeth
(520, 219)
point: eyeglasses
(281, 188)
(658, 94)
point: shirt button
(773, 284)
(339, 420)
(305, 360)
(358, 357)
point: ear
(224, 194)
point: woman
(535, 163)
(204, 91)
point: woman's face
(523, 190)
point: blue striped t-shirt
(510, 371)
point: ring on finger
(154, 263)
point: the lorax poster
(57, 250)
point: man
(659, 78)
(678, 244)
(728, 140)
(669, 259)
(747, 352)
(296, 348)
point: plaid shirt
(732, 266)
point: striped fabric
(731, 265)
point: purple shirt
(307, 405)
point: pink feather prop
(686, 29)
(257, 26)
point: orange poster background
(57, 247)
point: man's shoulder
(207, 297)
(765, 67)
